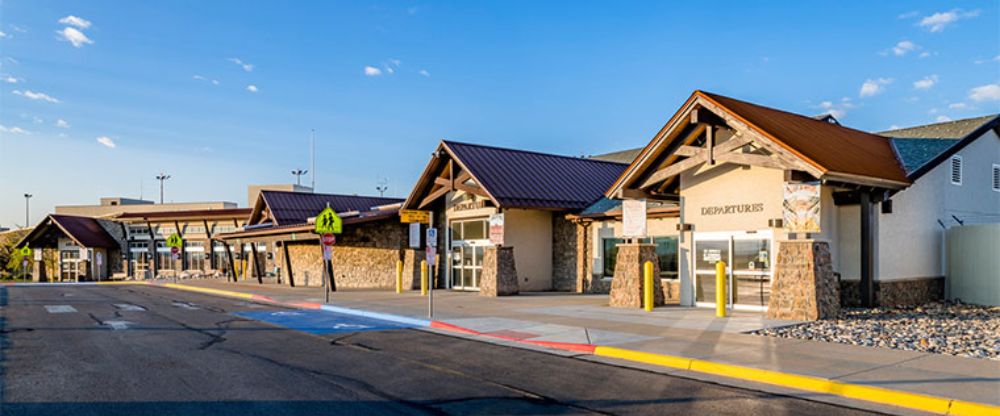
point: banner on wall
(801, 208)
(634, 218)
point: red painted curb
(455, 328)
(304, 305)
(566, 346)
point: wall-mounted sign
(431, 255)
(432, 237)
(711, 255)
(496, 229)
(472, 202)
(733, 209)
(634, 218)
(414, 216)
(414, 235)
(98, 258)
(801, 208)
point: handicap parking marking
(129, 307)
(185, 305)
(322, 322)
(60, 309)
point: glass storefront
(468, 243)
(748, 270)
(666, 252)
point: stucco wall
(529, 232)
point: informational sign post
(99, 260)
(496, 229)
(634, 218)
(801, 207)
(414, 235)
(328, 223)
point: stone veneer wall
(627, 284)
(804, 286)
(905, 292)
(565, 252)
(115, 258)
(499, 272)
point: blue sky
(142, 87)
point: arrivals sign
(634, 218)
(496, 229)
(801, 207)
(414, 216)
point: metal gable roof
(525, 179)
(289, 208)
(86, 231)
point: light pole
(382, 185)
(162, 177)
(26, 198)
(298, 175)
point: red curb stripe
(305, 305)
(455, 328)
(568, 346)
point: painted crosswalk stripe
(185, 305)
(129, 307)
(60, 308)
(116, 325)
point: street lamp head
(28, 195)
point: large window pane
(666, 251)
(456, 231)
(610, 254)
(475, 230)
(709, 252)
(752, 255)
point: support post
(423, 277)
(399, 276)
(720, 289)
(867, 251)
(647, 286)
(232, 264)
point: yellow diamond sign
(175, 240)
(327, 222)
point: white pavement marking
(116, 325)
(185, 305)
(129, 307)
(350, 326)
(288, 313)
(60, 308)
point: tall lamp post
(162, 177)
(298, 175)
(27, 197)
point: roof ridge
(583, 159)
(986, 119)
(326, 194)
(804, 117)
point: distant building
(112, 206)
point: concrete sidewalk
(692, 333)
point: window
(666, 252)
(996, 177)
(956, 170)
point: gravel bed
(941, 328)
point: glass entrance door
(748, 268)
(468, 242)
(69, 263)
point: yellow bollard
(647, 286)
(720, 289)
(423, 277)
(399, 276)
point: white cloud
(37, 120)
(903, 47)
(246, 66)
(201, 78)
(106, 141)
(424, 73)
(63, 124)
(76, 37)
(372, 71)
(75, 21)
(13, 130)
(940, 20)
(10, 80)
(988, 92)
(35, 95)
(908, 15)
(942, 119)
(926, 83)
(925, 54)
(836, 109)
(215, 82)
(3, 35)
(252, 88)
(894, 127)
(873, 87)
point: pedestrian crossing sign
(327, 222)
(175, 240)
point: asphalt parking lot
(135, 350)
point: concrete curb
(915, 401)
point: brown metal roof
(307, 229)
(830, 147)
(288, 208)
(85, 231)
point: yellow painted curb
(207, 290)
(807, 383)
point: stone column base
(804, 287)
(499, 272)
(627, 285)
